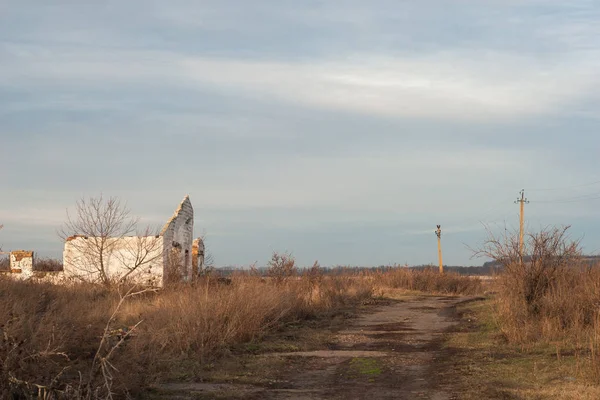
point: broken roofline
(175, 214)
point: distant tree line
(486, 269)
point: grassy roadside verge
(480, 364)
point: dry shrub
(47, 265)
(428, 280)
(549, 297)
(550, 294)
(281, 267)
(314, 274)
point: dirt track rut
(389, 353)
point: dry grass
(566, 312)
(429, 281)
(203, 320)
(56, 339)
(52, 333)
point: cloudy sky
(342, 131)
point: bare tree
(102, 236)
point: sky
(340, 131)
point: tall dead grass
(429, 281)
(566, 311)
(52, 333)
(90, 342)
(208, 318)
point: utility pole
(522, 201)
(438, 232)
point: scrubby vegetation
(550, 299)
(86, 341)
(47, 265)
(552, 295)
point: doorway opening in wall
(186, 262)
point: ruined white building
(170, 256)
(20, 264)
(153, 260)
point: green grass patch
(366, 366)
(486, 366)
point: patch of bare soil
(393, 352)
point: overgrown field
(86, 341)
(538, 337)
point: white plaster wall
(54, 277)
(198, 252)
(81, 259)
(24, 264)
(180, 230)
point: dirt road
(389, 353)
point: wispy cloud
(446, 86)
(450, 85)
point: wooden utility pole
(521, 200)
(438, 232)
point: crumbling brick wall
(197, 257)
(178, 235)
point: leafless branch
(102, 356)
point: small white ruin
(20, 264)
(197, 256)
(170, 256)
